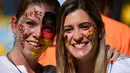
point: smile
(35, 44)
(81, 45)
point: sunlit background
(116, 9)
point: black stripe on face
(49, 19)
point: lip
(34, 44)
(80, 45)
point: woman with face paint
(80, 38)
(34, 30)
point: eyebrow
(27, 18)
(80, 24)
(87, 23)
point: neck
(86, 66)
(29, 63)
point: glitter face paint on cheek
(47, 41)
(21, 28)
(67, 43)
(90, 32)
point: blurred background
(116, 9)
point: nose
(38, 32)
(78, 37)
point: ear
(13, 24)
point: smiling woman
(34, 30)
(80, 39)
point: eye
(85, 26)
(68, 29)
(30, 23)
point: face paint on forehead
(35, 13)
(49, 19)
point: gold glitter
(67, 44)
(33, 53)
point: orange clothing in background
(117, 35)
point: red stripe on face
(48, 35)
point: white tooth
(33, 43)
(79, 45)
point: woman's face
(80, 34)
(35, 30)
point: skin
(32, 37)
(81, 34)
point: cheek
(22, 33)
(48, 35)
(91, 35)
(21, 27)
(67, 39)
(90, 32)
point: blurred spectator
(10, 6)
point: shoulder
(4, 65)
(122, 65)
(3, 59)
(48, 69)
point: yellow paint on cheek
(46, 44)
(33, 12)
(67, 44)
(37, 41)
(90, 32)
(33, 53)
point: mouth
(80, 45)
(35, 44)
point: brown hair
(66, 63)
(101, 4)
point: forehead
(41, 8)
(77, 16)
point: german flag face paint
(49, 19)
(39, 51)
(35, 30)
(49, 24)
(48, 32)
